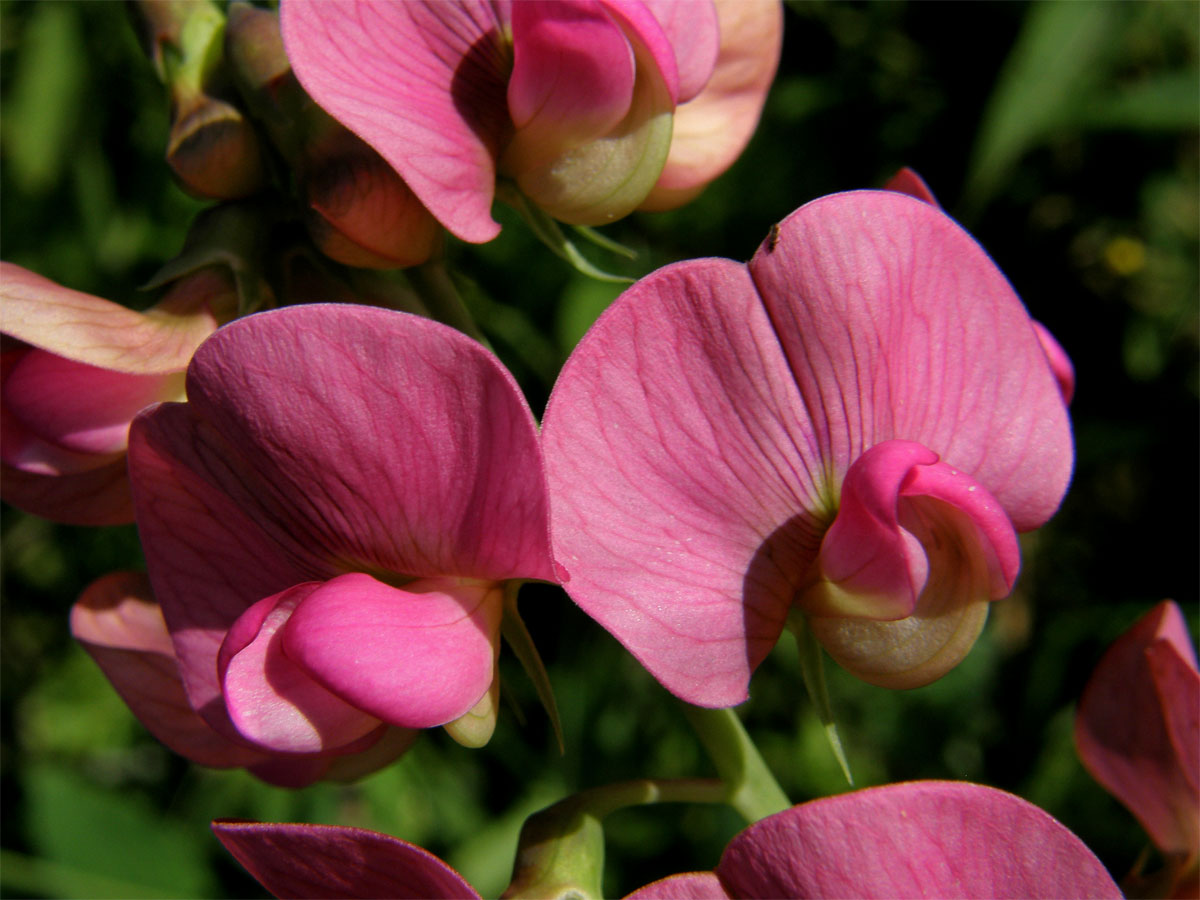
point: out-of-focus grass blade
(111, 836)
(1168, 102)
(1054, 65)
(43, 100)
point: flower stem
(753, 790)
(433, 284)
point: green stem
(432, 282)
(812, 668)
(753, 790)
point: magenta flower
(572, 100)
(76, 372)
(921, 839)
(1138, 728)
(853, 427)
(330, 522)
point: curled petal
(713, 128)
(90, 330)
(1137, 730)
(906, 181)
(272, 700)
(122, 628)
(920, 839)
(435, 110)
(87, 495)
(873, 567)
(572, 79)
(607, 178)
(334, 861)
(416, 657)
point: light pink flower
(921, 839)
(1138, 728)
(573, 100)
(854, 426)
(78, 370)
(330, 521)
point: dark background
(1063, 135)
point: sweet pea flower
(121, 626)
(920, 839)
(1138, 729)
(330, 524)
(76, 369)
(574, 101)
(853, 427)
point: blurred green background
(1064, 135)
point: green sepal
(517, 636)
(812, 669)
(547, 231)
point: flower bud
(358, 210)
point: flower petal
(572, 79)
(122, 628)
(608, 178)
(687, 506)
(713, 128)
(898, 326)
(273, 701)
(921, 839)
(421, 82)
(1137, 732)
(416, 657)
(693, 30)
(319, 440)
(688, 886)
(98, 332)
(79, 407)
(334, 861)
(873, 567)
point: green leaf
(1167, 102)
(1058, 58)
(108, 837)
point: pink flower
(854, 427)
(573, 100)
(921, 839)
(1138, 728)
(330, 522)
(121, 626)
(77, 372)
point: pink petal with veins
(90, 330)
(421, 82)
(122, 628)
(685, 509)
(1137, 731)
(920, 839)
(332, 861)
(689, 886)
(898, 326)
(692, 28)
(324, 439)
(417, 656)
(712, 128)
(79, 407)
